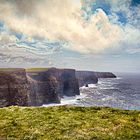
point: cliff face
(70, 85)
(18, 87)
(42, 86)
(105, 75)
(48, 86)
(86, 77)
(14, 88)
(91, 77)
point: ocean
(122, 92)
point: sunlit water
(122, 92)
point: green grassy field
(36, 69)
(69, 123)
(10, 69)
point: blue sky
(98, 35)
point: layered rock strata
(14, 88)
(50, 85)
(86, 77)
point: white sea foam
(107, 98)
(68, 100)
(119, 78)
(47, 105)
(89, 86)
(92, 85)
(100, 82)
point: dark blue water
(122, 92)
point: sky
(101, 35)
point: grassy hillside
(68, 123)
(10, 69)
(36, 69)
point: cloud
(25, 51)
(48, 25)
(17, 55)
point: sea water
(122, 92)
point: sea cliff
(14, 87)
(38, 86)
(49, 85)
(91, 77)
(86, 77)
(105, 75)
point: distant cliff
(49, 85)
(86, 77)
(14, 88)
(91, 77)
(105, 75)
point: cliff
(91, 77)
(105, 75)
(14, 89)
(49, 85)
(38, 86)
(86, 77)
(70, 85)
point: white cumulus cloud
(62, 20)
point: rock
(44, 88)
(105, 75)
(86, 85)
(70, 85)
(91, 77)
(36, 87)
(14, 88)
(86, 77)
(49, 85)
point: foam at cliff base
(89, 86)
(119, 78)
(92, 86)
(72, 100)
(68, 100)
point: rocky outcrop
(105, 75)
(14, 89)
(86, 77)
(91, 77)
(49, 85)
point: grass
(36, 69)
(10, 69)
(68, 123)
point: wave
(89, 86)
(119, 78)
(67, 100)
